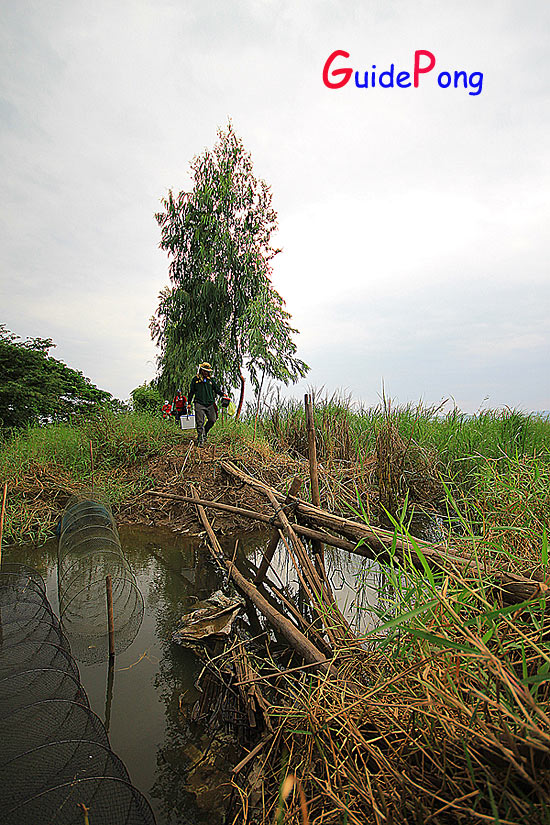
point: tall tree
(221, 306)
(34, 386)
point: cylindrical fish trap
(89, 551)
(55, 754)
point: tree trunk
(241, 399)
(258, 404)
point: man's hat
(205, 367)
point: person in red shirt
(166, 409)
(179, 406)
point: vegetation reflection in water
(173, 763)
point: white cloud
(408, 220)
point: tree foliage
(221, 306)
(146, 398)
(34, 386)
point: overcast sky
(413, 221)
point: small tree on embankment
(221, 306)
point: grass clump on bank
(493, 463)
(443, 718)
(44, 466)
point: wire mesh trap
(89, 550)
(55, 754)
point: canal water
(154, 679)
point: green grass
(346, 431)
(45, 465)
(495, 464)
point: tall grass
(443, 718)
(45, 465)
(409, 451)
(346, 431)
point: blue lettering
(364, 85)
(389, 74)
(444, 80)
(401, 78)
(464, 76)
(478, 84)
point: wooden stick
(307, 532)
(254, 752)
(275, 537)
(513, 588)
(110, 618)
(2, 517)
(313, 468)
(295, 637)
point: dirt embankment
(187, 466)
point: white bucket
(188, 421)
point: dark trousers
(201, 412)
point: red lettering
(336, 72)
(417, 69)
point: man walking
(204, 390)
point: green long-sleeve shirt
(204, 390)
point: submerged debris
(215, 617)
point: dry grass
(442, 719)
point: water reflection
(176, 762)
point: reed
(443, 717)
(388, 454)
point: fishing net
(55, 754)
(109, 800)
(89, 551)
(20, 689)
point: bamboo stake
(313, 468)
(109, 692)
(2, 517)
(275, 537)
(294, 636)
(110, 619)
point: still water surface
(154, 677)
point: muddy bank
(200, 467)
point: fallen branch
(512, 588)
(295, 637)
(307, 532)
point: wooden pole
(275, 537)
(295, 637)
(110, 619)
(513, 588)
(241, 399)
(313, 471)
(109, 692)
(2, 514)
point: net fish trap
(55, 755)
(89, 550)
